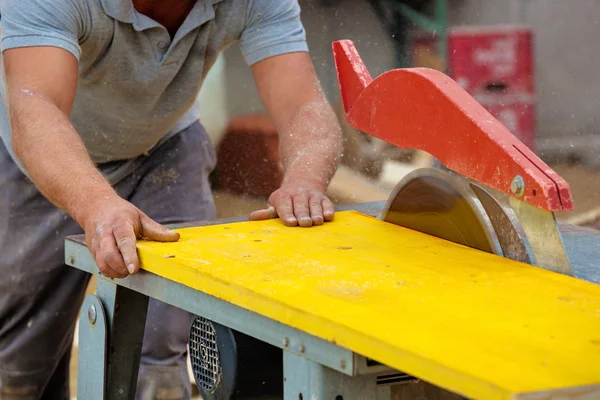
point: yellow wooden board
(474, 323)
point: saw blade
(431, 201)
(506, 226)
(543, 235)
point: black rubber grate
(204, 354)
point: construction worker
(99, 136)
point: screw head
(92, 314)
(343, 364)
(286, 342)
(517, 186)
(302, 348)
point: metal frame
(92, 349)
(306, 379)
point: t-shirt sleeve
(29, 23)
(272, 27)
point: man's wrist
(90, 202)
(313, 166)
(304, 180)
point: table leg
(307, 380)
(91, 363)
(125, 321)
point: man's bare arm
(41, 84)
(310, 138)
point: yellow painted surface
(474, 323)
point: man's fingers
(267, 213)
(125, 239)
(301, 209)
(155, 231)
(328, 209)
(285, 209)
(316, 209)
(107, 271)
(109, 259)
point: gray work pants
(40, 297)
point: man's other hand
(310, 139)
(111, 231)
(297, 204)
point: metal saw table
(502, 303)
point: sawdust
(164, 177)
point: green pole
(438, 25)
(441, 16)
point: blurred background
(532, 63)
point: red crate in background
(492, 58)
(248, 157)
(495, 64)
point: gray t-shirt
(137, 86)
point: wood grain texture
(471, 322)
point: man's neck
(170, 14)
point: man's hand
(111, 232)
(303, 205)
(310, 139)
(41, 84)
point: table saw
(461, 285)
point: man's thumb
(152, 230)
(267, 213)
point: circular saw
(440, 204)
(424, 109)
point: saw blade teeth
(506, 225)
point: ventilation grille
(204, 354)
(395, 379)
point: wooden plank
(471, 322)
(576, 393)
(585, 217)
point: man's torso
(137, 84)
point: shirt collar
(123, 10)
